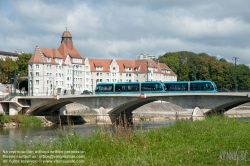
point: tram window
(105, 88)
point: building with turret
(65, 71)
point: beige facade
(12, 55)
(56, 71)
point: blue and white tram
(191, 86)
(129, 87)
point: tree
(172, 61)
(22, 63)
(183, 73)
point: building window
(37, 66)
(99, 68)
(37, 82)
(37, 73)
(113, 68)
(128, 68)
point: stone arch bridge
(116, 104)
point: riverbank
(213, 141)
(8, 121)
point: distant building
(12, 55)
(55, 71)
(145, 56)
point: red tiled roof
(98, 63)
(64, 50)
(36, 58)
(104, 62)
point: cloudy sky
(122, 29)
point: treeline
(8, 67)
(191, 66)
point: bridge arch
(225, 107)
(48, 109)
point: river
(8, 136)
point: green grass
(22, 119)
(213, 141)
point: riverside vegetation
(216, 140)
(20, 120)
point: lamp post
(73, 80)
(11, 85)
(52, 85)
(18, 85)
(92, 86)
(147, 69)
(146, 63)
(235, 72)
(15, 82)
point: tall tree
(22, 62)
(172, 60)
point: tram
(190, 86)
(130, 87)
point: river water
(9, 136)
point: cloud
(124, 29)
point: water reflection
(9, 136)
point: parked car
(86, 93)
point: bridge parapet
(118, 103)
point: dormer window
(77, 60)
(99, 68)
(128, 68)
(58, 60)
(48, 59)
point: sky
(123, 29)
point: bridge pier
(124, 119)
(198, 114)
(4, 108)
(14, 109)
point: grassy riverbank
(214, 141)
(20, 119)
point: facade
(12, 55)
(145, 56)
(66, 71)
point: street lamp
(235, 72)
(146, 63)
(73, 80)
(52, 85)
(18, 85)
(92, 86)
